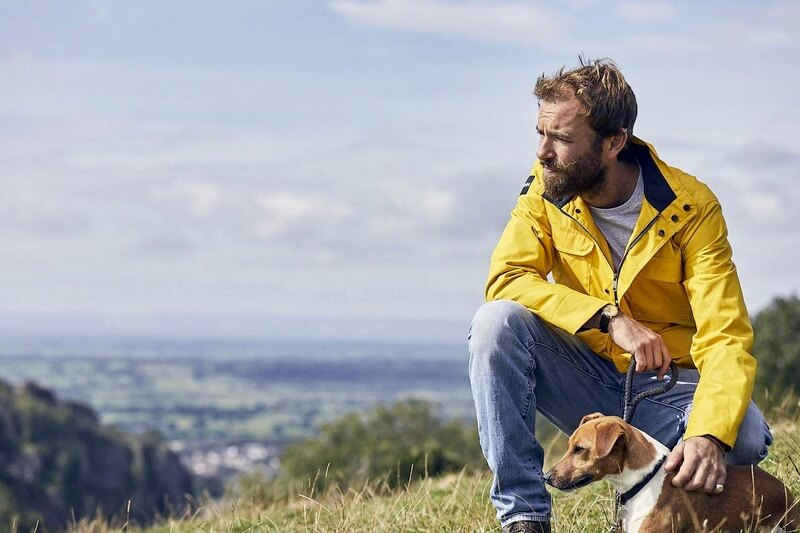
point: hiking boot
(526, 526)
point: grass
(454, 503)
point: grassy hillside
(447, 504)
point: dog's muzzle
(562, 483)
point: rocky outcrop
(57, 463)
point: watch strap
(605, 321)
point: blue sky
(344, 168)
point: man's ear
(591, 416)
(617, 143)
(607, 436)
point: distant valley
(227, 407)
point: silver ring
(718, 488)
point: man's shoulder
(682, 181)
(698, 190)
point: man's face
(569, 149)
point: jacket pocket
(573, 262)
(571, 242)
(669, 269)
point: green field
(213, 398)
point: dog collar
(639, 486)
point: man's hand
(646, 346)
(701, 462)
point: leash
(630, 403)
(627, 414)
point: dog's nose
(548, 477)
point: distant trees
(777, 346)
(390, 443)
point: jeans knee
(495, 320)
(497, 327)
(752, 443)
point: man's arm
(721, 348)
(521, 262)
(720, 351)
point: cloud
(285, 212)
(755, 181)
(199, 199)
(168, 241)
(760, 156)
(645, 12)
(422, 205)
(508, 22)
(646, 27)
(33, 214)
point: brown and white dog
(606, 447)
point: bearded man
(641, 267)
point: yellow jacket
(676, 277)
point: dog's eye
(577, 449)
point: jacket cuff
(580, 310)
(722, 446)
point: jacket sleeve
(523, 258)
(721, 348)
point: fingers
(702, 468)
(707, 476)
(686, 471)
(675, 458)
(665, 364)
(647, 347)
(713, 478)
(641, 360)
(721, 478)
(703, 479)
(652, 355)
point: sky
(343, 168)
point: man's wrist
(607, 314)
(724, 448)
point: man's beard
(584, 176)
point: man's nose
(545, 150)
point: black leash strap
(630, 403)
(627, 414)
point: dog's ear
(607, 436)
(590, 417)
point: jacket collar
(657, 190)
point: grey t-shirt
(617, 223)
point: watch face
(611, 311)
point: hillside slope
(448, 504)
(58, 463)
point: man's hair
(600, 87)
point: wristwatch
(608, 312)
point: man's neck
(619, 185)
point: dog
(607, 447)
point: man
(641, 267)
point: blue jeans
(520, 365)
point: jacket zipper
(625, 254)
(615, 279)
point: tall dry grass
(454, 503)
